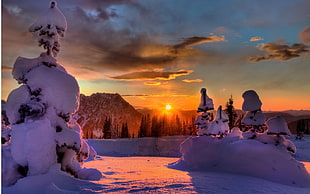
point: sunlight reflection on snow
(307, 166)
(151, 175)
(141, 174)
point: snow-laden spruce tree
(206, 125)
(219, 126)
(203, 120)
(43, 132)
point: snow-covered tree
(219, 126)
(254, 118)
(43, 132)
(278, 129)
(203, 120)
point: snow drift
(241, 156)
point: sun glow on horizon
(168, 107)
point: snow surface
(151, 174)
(241, 156)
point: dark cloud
(101, 35)
(305, 36)
(151, 75)
(147, 52)
(190, 41)
(282, 52)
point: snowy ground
(150, 174)
(145, 174)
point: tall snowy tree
(40, 111)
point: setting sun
(168, 107)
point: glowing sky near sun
(158, 52)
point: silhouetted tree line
(113, 131)
(158, 126)
(303, 126)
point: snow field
(151, 174)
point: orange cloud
(192, 80)
(256, 38)
(86, 73)
(305, 35)
(152, 75)
(152, 83)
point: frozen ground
(144, 174)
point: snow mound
(54, 181)
(57, 89)
(256, 118)
(24, 65)
(15, 99)
(277, 125)
(241, 156)
(24, 145)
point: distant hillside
(99, 109)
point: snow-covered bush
(39, 111)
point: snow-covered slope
(95, 109)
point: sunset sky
(158, 52)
